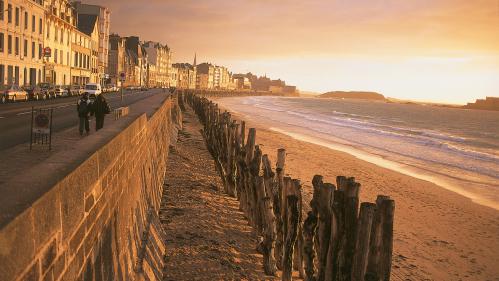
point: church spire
(195, 55)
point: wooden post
(255, 194)
(351, 204)
(324, 197)
(327, 249)
(379, 263)
(309, 229)
(278, 206)
(361, 256)
(269, 263)
(291, 233)
(298, 259)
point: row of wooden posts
(334, 241)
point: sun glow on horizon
(455, 80)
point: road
(15, 118)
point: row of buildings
(55, 41)
(68, 42)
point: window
(9, 43)
(1, 42)
(9, 13)
(17, 46)
(17, 16)
(48, 30)
(62, 58)
(55, 55)
(33, 23)
(40, 51)
(56, 33)
(1, 10)
(68, 63)
(76, 60)
(33, 49)
(2, 73)
(26, 20)
(40, 26)
(62, 36)
(25, 47)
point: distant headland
(489, 103)
(353, 95)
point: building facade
(60, 23)
(186, 75)
(205, 73)
(81, 55)
(21, 42)
(116, 63)
(160, 56)
(104, 23)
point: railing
(335, 241)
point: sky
(427, 50)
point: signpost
(122, 79)
(47, 52)
(41, 127)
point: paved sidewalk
(19, 160)
(208, 238)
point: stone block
(33, 273)
(47, 217)
(59, 265)
(74, 267)
(48, 256)
(77, 239)
(16, 251)
(89, 202)
(49, 276)
(73, 190)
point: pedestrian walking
(84, 109)
(101, 108)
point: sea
(457, 149)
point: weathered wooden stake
(292, 231)
(361, 256)
(309, 229)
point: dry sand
(438, 234)
(208, 238)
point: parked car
(93, 90)
(111, 88)
(36, 92)
(75, 90)
(12, 93)
(60, 91)
(47, 89)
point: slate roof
(86, 23)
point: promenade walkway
(208, 238)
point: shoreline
(444, 181)
(439, 234)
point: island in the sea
(489, 103)
(353, 95)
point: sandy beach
(439, 234)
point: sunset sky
(438, 50)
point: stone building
(88, 27)
(160, 56)
(205, 74)
(60, 23)
(21, 41)
(116, 58)
(186, 78)
(81, 54)
(135, 67)
(104, 23)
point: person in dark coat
(84, 109)
(101, 108)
